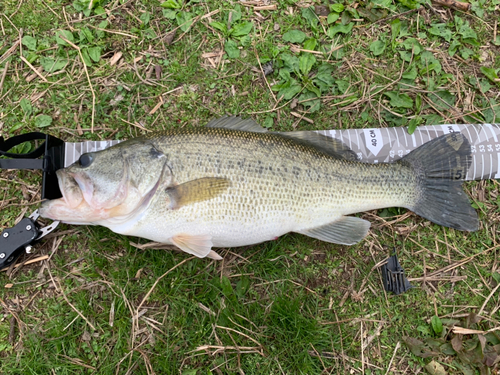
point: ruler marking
(473, 156)
(491, 166)
(498, 165)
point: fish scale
(234, 184)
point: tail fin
(440, 166)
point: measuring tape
(382, 145)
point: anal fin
(346, 231)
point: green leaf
(414, 45)
(99, 10)
(227, 288)
(338, 8)
(288, 89)
(306, 62)
(170, 13)
(236, 13)
(466, 53)
(245, 41)
(344, 29)
(294, 36)
(342, 85)
(145, 17)
(290, 61)
(81, 5)
(184, 20)
(43, 121)
(66, 34)
(241, 29)
(219, 26)
(50, 65)
(410, 74)
(467, 32)
(171, 4)
(314, 104)
(490, 73)
(496, 276)
(440, 29)
(455, 43)
(399, 100)
(26, 106)
(231, 48)
(323, 78)
(395, 29)
(382, 3)
(86, 58)
(102, 25)
(377, 47)
(345, 18)
(310, 44)
(418, 103)
(410, 4)
(429, 63)
(437, 325)
(311, 17)
(413, 123)
(445, 100)
(484, 85)
(95, 53)
(29, 42)
(268, 122)
(243, 285)
(86, 34)
(372, 14)
(405, 55)
(332, 17)
(284, 73)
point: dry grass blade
(220, 348)
(73, 307)
(31, 261)
(4, 74)
(493, 293)
(158, 280)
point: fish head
(112, 183)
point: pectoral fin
(198, 245)
(346, 231)
(198, 190)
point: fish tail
(441, 166)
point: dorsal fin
(236, 123)
(328, 145)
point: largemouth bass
(232, 184)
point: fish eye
(85, 160)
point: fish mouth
(71, 190)
(72, 208)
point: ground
(103, 303)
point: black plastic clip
(394, 277)
(20, 238)
(53, 159)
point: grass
(292, 306)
